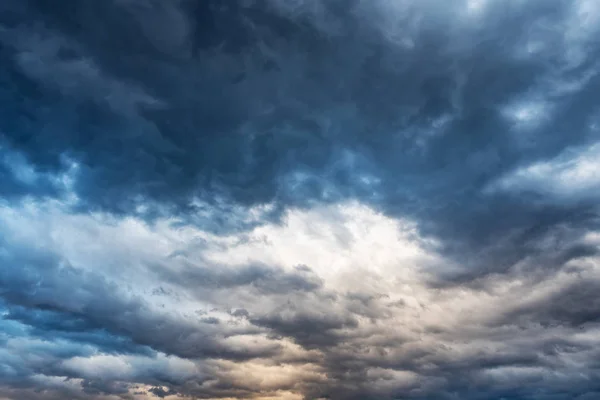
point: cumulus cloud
(351, 325)
(283, 199)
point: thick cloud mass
(299, 199)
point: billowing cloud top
(299, 199)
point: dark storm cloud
(201, 110)
(261, 102)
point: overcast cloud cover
(299, 199)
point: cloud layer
(283, 199)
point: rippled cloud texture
(299, 199)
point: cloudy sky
(299, 199)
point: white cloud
(582, 27)
(381, 261)
(575, 174)
(528, 113)
(131, 368)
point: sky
(299, 199)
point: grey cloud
(45, 292)
(272, 110)
(573, 305)
(53, 324)
(203, 112)
(99, 387)
(160, 392)
(240, 313)
(310, 329)
(262, 278)
(361, 357)
(210, 320)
